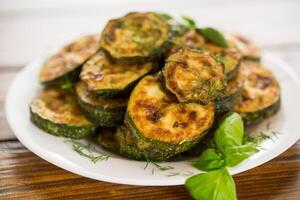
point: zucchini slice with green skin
(190, 38)
(108, 139)
(65, 65)
(159, 125)
(136, 37)
(247, 48)
(110, 79)
(56, 112)
(231, 96)
(102, 111)
(194, 76)
(229, 56)
(260, 95)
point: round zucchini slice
(56, 112)
(229, 56)
(194, 76)
(260, 95)
(65, 64)
(110, 79)
(231, 96)
(189, 38)
(247, 48)
(160, 126)
(102, 111)
(135, 38)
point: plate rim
(102, 177)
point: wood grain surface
(29, 27)
(26, 176)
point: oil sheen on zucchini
(110, 79)
(260, 95)
(160, 126)
(230, 57)
(194, 76)
(56, 112)
(102, 111)
(231, 96)
(65, 64)
(135, 38)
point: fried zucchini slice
(189, 38)
(247, 48)
(56, 112)
(159, 125)
(260, 95)
(135, 38)
(65, 64)
(194, 76)
(102, 111)
(110, 79)
(108, 139)
(229, 56)
(231, 96)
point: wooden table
(23, 175)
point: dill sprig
(160, 167)
(173, 174)
(86, 150)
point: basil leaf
(230, 132)
(165, 15)
(209, 160)
(213, 36)
(213, 185)
(189, 22)
(236, 154)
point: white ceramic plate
(121, 170)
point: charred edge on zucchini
(135, 38)
(109, 79)
(66, 65)
(229, 56)
(260, 95)
(194, 76)
(56, 112)
(160, 126)
(102, 111)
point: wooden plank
(25, 176)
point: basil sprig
(229, 149)
(214, 36)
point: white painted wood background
(30, 27)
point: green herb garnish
(173, 174)
(86, 151)
(230, 148)
(189, 22)
(213, 36)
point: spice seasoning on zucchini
(194, 76)
(136, 37)
(230, 57)
(102, 111)
(65, 64)
(160, 126)
(56, 112)
(110, 79)
(260, 95)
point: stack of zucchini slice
(151, 88)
